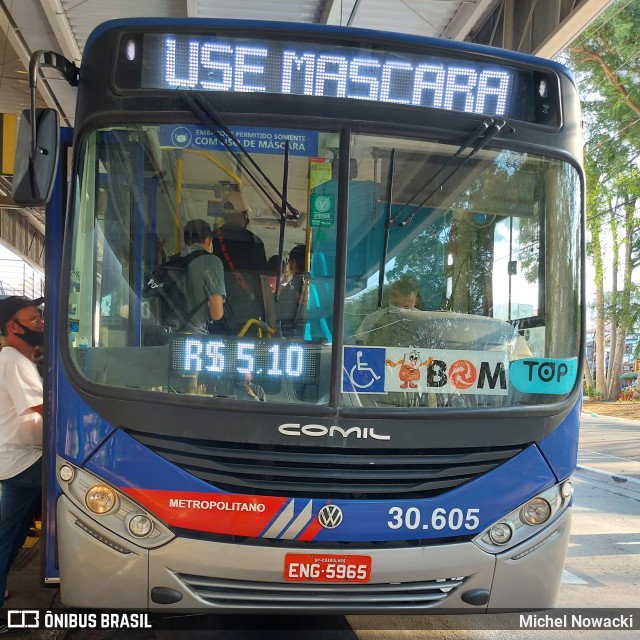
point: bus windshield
(470, 300)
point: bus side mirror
(36, 160)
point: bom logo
(462, 374)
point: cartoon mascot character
(410, 364)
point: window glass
(472, 297)
(172, 221)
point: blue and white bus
(405, 457)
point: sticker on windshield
(408, 369)
(552, 376)
(322, 210)
(253, 139)
(363, 370)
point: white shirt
(20, 427)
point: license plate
(311, 567)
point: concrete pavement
(610, 449)
(26, 590)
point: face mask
(31, 337)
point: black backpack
(165, 291)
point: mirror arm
(39, 60)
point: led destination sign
(367, 72)
(337, 73)
(235, 358)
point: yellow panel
(8, 143)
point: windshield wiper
(210, 118)
(479, 139)
(387, 224)
(285, 188)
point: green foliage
(616, 308)
(593, 393)
(606, 64)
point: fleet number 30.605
(454, 519)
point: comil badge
(330, 516)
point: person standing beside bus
(21, 412)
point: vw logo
(330, 516)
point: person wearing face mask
(21, 412)
(402, 296)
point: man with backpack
(186, 291)
(205, 289)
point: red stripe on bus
(213, 512)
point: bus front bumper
(100, 569)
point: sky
(11, 273)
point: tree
(607, 66)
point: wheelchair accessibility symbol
(363, 370)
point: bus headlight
(500, 533)
(100, 499)
(536, 511)
(526, 520)
(112, 509)
(140, 526)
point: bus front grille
(243, 594)
(326, 473)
